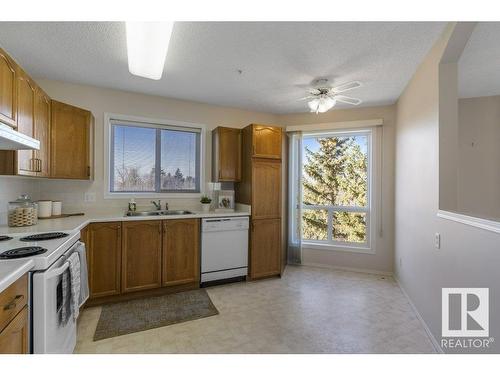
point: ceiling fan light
(313, 105)
(325, 104)
(147, 46)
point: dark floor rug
(147, 313)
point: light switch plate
(89, 197)
(437, 241)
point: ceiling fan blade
(348, 100)
(346, 86)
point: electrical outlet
(89, 197)
(437, 241)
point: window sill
(489, 225)
(342, 248)
(139, 195)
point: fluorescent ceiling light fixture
(147, 46)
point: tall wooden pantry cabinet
(260, 187)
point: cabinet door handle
(12, 304)
(31, 166)
(39, 168)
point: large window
(335, 201)
(152, 158)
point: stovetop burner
(44, 236)
(22, 252)
(5, 238)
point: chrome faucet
(157, 204)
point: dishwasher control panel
(223, 224)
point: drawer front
(12, 300)
(14, 338)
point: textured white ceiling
(278, 60)
(479, 64)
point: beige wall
(468, 256)
(448, 136)
(479, 157)
(100, 100)
(382, 260)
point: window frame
(158, 124)
(368, 210)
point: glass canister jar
(22, 212)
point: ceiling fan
(322, 98)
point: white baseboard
(351, 269)
(434, 342)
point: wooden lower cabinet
(137, 258)
(14, 318)
(103, 242)
(265, 248)
(181, 252)
(14, 338)
(266, 189)
(141, 255)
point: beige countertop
(11, 270)
(73, 223)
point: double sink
(158, 213)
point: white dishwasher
(224, 248)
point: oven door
(49, 336)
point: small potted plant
(205, 203)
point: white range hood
(12, 140)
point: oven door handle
(58, 271)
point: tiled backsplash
(11, 188)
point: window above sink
(151, 158)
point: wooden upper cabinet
(104, 251)
(265, 240)
(141, 255)
(266, 189)
(70, 142)
(42, 133)
(226, 154)
(8, 91)
(266, 141)
(26, 97)
(181, 251)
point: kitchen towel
(84, 278)
(74, 275)
(65, 310)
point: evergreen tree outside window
(336, 188)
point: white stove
(50, 257)
(54, 248)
